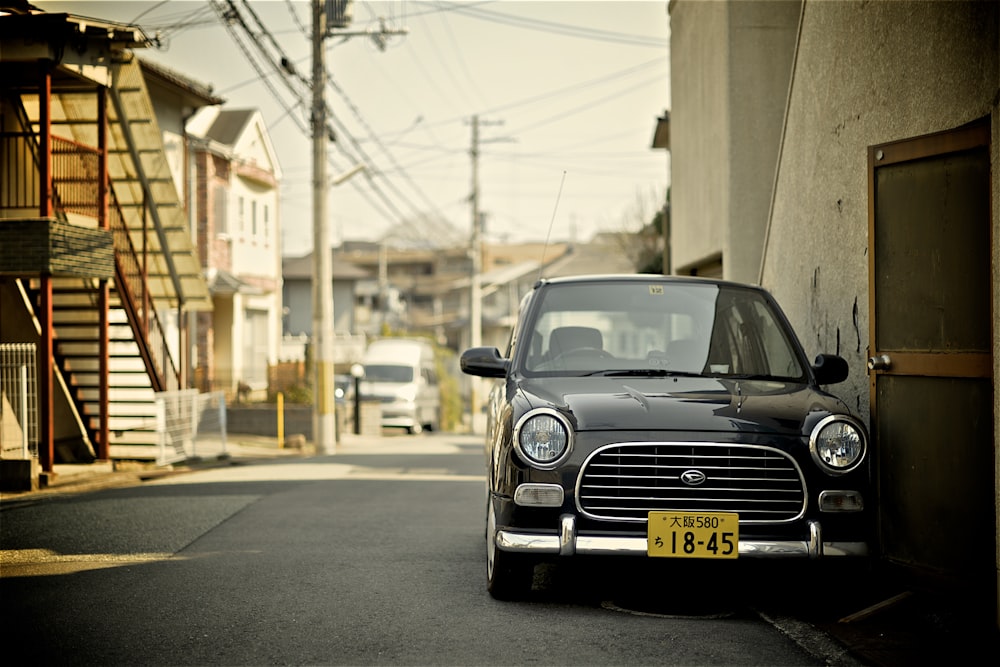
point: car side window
(748, 341)
(516, 330)
(775, 346)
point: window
(255, 347)
(220, 201)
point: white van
(400, 374)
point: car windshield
(658, 328)
(388, 373)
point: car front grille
(626, 481)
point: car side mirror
(483, 361)
(830, 369)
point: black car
(664, 417)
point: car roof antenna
(541, 264)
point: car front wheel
(508, 575)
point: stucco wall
(762, 38)
(866, 73)
(730, 67)
(699, 148)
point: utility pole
(475, 296)
(327, 14)
(476, 253)
(324, 424)
(475, 284)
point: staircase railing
(75, 176)
(75, 180)
(131, 283)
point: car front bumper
(568, 543)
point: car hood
(681, 403)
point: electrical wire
(379, 184)
(551, 27)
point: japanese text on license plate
(693, 534)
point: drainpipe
(186, 323)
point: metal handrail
(75, 173)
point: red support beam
(45, 146)
(46, 395)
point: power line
(552, 27)
(590, 105)
(283, 66)
(229, 19)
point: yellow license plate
(693, 534)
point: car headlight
(543, 438)
(837, 444)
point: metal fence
(190, 425)
(18, 401)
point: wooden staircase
(131, 389)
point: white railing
(190, 425)
(18, 401)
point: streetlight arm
(356, 169)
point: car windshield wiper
(646, 372)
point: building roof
(193, 93)
(302, 267)
(229, 125)
(224, 282)
(601, 255)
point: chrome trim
(568, 543)
(693, 477)
(815, 540)
(558, 416)
(584, 469)
(825, 467)
(567, 535)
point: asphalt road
(370, 556)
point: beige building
(840, 154)
(237, 180)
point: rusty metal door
(930, 366)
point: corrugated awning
(144, 188)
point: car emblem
(693, 477)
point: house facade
(841, 155)
(236, 217)
(297, 315)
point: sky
(567, 93)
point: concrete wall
(699, 138)
(762, 37)
(867, 73)
(862, 73)
(262, 419)
(730, 69)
